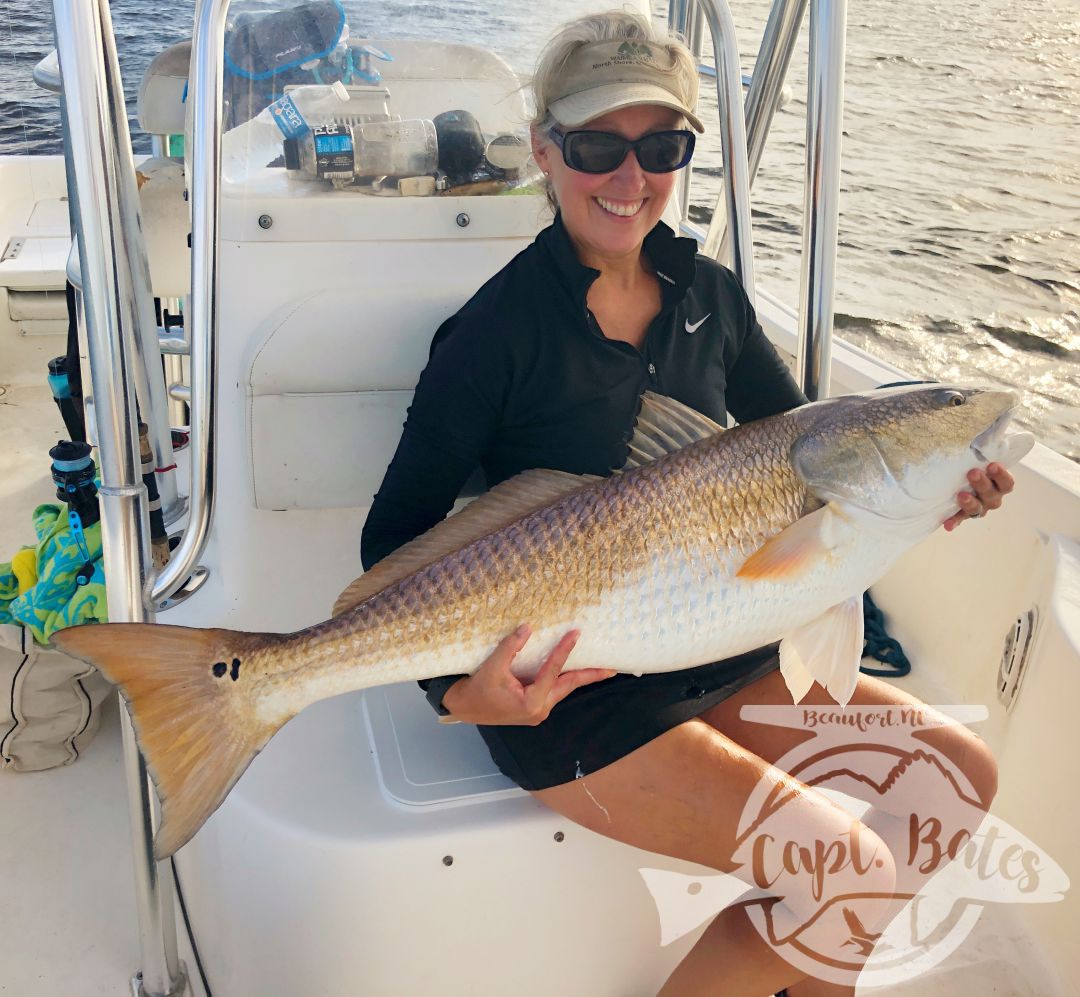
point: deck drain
(1015, 655)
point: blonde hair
(610, 26)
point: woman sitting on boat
(544, 368)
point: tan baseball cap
(606, 76)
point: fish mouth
(992, 444)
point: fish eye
(954, 398)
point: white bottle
(253, 144)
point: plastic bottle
(253, 144)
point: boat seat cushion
(160, 106)
(38, 266)
(328, 391)
(165, 224)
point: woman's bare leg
(963, 748)
(959, 745)
(683, 795)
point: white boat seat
(165, 224)
(332, 369)
(164, 213)
(309, 397)
(39, 264)
(160, 105)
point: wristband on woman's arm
(436, 689)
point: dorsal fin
(664, 426)
(511, 500)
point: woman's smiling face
(608, 215)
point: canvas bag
(50, 704)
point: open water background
(959, 254)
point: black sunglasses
(603, 152)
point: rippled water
(959, 246)
(959, 252)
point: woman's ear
(541, 149)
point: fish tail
(195, 722)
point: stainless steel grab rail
(824, 129)
(717, 15)
(684, 19)
(200, 319)
(149, 383)
(106, 188)
(821, 194)
(765, 97)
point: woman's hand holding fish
(989, 489)
(494, 695)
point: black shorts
(600, 723)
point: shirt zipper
(650, 367)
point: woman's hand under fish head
(493, 695)
(988, 491)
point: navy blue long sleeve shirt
(523, 377)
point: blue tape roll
(73, 465)
(60, 386)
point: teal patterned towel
(57, 600)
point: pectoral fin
(827, 650)
(796, 549)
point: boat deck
(30, 424)
(69, 904)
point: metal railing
(200, 319)
(717, 14)
(122, 336)
(824, 127)
(99, 148)
(765, 97)
(821, 194)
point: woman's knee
(981, 768)
(836, 871)
(813, 850)
(973, 757)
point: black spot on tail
(235, 673)
(220, 669)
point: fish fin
(828, 650)
(665, 426)
(796, 548)
(196, 725)
(506, 502)
(796, 677)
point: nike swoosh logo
(696, 325)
